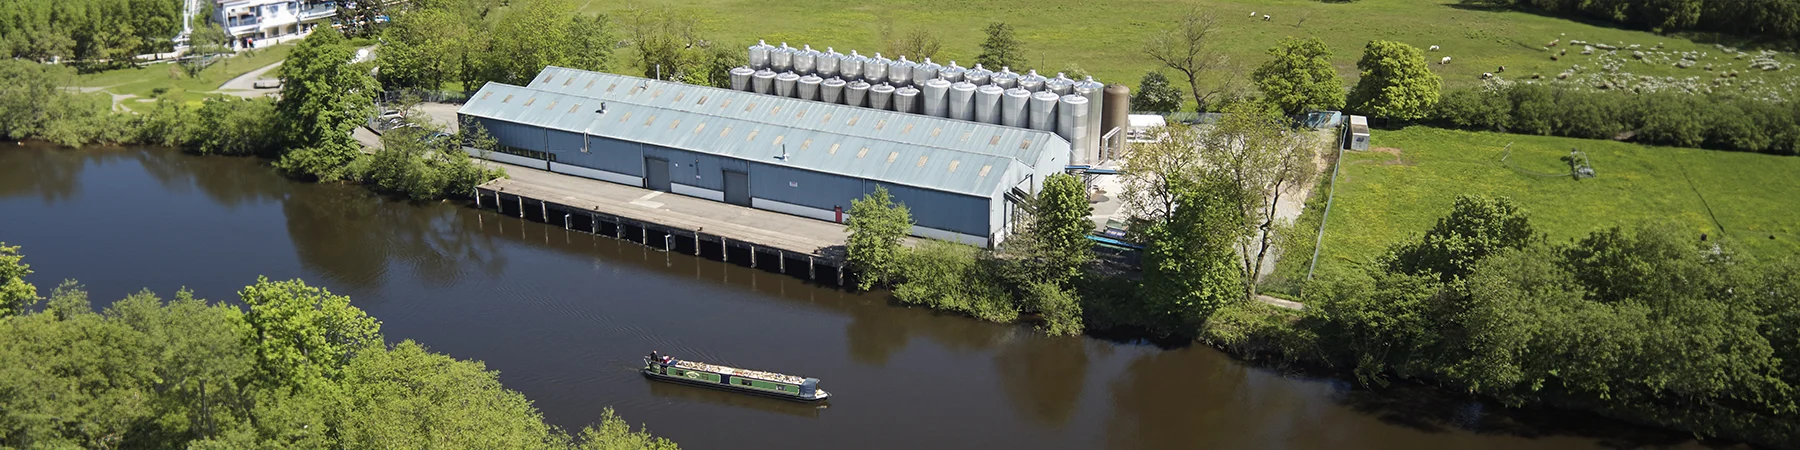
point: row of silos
(1077, 110)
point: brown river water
(563, 316)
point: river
(564, 317)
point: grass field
(145, 81)
(1105, 37)
(1400, 189)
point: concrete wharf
(798, 246)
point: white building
(254, 23)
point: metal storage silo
(852, 67)
(875, 70)
(806, 60)
(1072, 124)
(1043, 111)
(925, 71)
(953, 73)
(832, 91)
(785, 84)
(1115, 112)
(1014, 107)
(740, 78)
(900, 72)
(979, 76)
(881, 96)
(1061, 85)
(961, 101)
(987, 104)
(1005, 78)
(759, 55)
(906, 100)
(856, 93)
(1032, 81)
(936, 94)
(809, 87)
(1095, 93)
(781, 59)
(829, 62)
(763, 81)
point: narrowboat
(770, 384)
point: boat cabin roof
(746, 373)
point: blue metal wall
(697, 169)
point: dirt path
(245, 85)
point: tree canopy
(324, 96)
(1301, 77)
(1396, 83)
(1001, 48)
(1154, 94)
(877, 227)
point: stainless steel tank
(962, 101)
(1061, 85)
(906, 100)
(851, 69)
(1095, 94)
(1005, 78)
(925, 71)
(806, 60)
(763, 81)
(829, 62)
(1015, 105)
(980, 76)
(875, 70)
(809, 87)
(1043, 111)
(1072, 124)
(953, 73)
(781, 59)
(856, 93)
(1115, 112)
(740, 78)
(785, 84)
(1032, 81)
(936, 95)
(832, 90)
(900, 72)
(881, 96)
(759, 55)
(987, 104)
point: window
(533, 154)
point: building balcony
(317, 11)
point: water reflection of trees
(1196, 397)
(1044, 376)
(228, 181)
(54, 174)
(352, 237)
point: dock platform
(799, 246)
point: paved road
(245, 85)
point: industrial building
(961, 180)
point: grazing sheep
(1265, 17)
(1487, 75)
(1502, 69)
(1446, 60)
(1433, 48)
(1553, 43)
(1253, 14)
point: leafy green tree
(528, 36)
(228, 125)
(323, 98)
(425, 48)
(362, 18)
(1476, 227)
(1301, 77)
(877, 226)
(302, 334)
(1474, 109)
(15, 294)
(591, 42)
(668, 45)
(1051, 244)
(1058, 307)
(953, 277)
(1001, 49)
(1395, 82)
(613, 433)
(197, 356)
(407, 397)
(1254, 148)
(1154, 94)
(1189, 268)
(423, 164)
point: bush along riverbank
(306, 134)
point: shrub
(953, 277)
(1533, 108)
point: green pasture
(1411, 177)
(1104, 38)
(145, 81)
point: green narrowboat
(769, 384)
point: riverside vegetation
(294, 367)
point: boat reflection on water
(686, 393)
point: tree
(1057, 306)
(408, 397)
(590, 42)
(1154, 94)
(1002, 47)
(424, 49)
(362, 18)
(527, 37)
(877, 226)
(1156, 172)
(1476, 227)
(323, 98)
(1395, 82)
(1301, 77)
(613, 433)
(1254, 148)
(954, 277)
(1188, 268)
(303, 335)
(15, 294)
(1052, 243)
(1187, 48)
(920, 43)
(663, 38)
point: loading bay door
(737, 188)
(656, 174)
